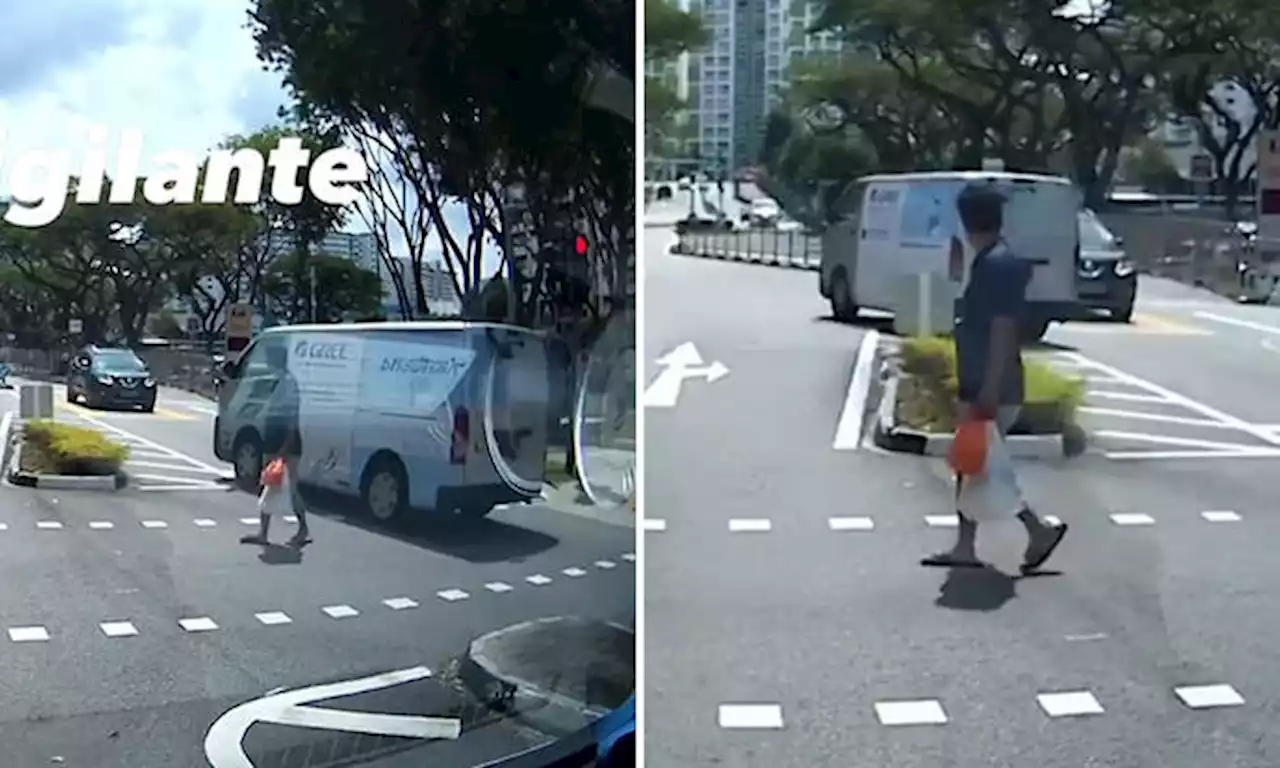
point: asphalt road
(787, 618)
(135, 619)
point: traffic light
(580, 245)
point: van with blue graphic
(449, 416)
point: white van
(887, 227)
(448, 416)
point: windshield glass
(1094, 236)
(401, 520)
(118, 362)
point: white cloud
(183, 72)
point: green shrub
(927, 393)
(63, 449)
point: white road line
(851, 524)
(1220, 516)
(941, 521)
(498, 587)
(1069, 704)
(744, 525)
(653, 524)
(1260, 453)
(1132, 518)
(36, 634)
(923, 712)
(118, 628)
(400, 603)
(1185, 442)
(1173, 397)
(340, 611)
(1129, 396)
(1260, 327)
(452, 595)
(574, 573)
(1206, 696)
(750, 716)
(1141, 416)
(273, 618)
(849, 427)
(178, 467)
(198, 624)
(538, 580)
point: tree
(343, 289)
(668, 32)
(474, 95)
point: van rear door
(1040, 225)
(516, 408)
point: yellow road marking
(168, 414)
(1164, 325)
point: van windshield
(1094, 236)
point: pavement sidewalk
(556, 675)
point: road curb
(892, 436)
(545, 711)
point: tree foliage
(461, 99)
(1043, 85)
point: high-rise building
(741, 74)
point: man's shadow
(281, 554)
(985, 588)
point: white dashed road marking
(1069, 704)
(498, 587)
(538, 580)
(118, 628)
(198, 624)
(1220, 516)
(922, 712)
(273, 618)
(749, 525)
(1207, 696)
(750, 716)
(400, 603)
(453, 595)
(28, 634)
(1132, 518)
(851, 524)
(653, 524)
(340, 611)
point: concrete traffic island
(556, 675)
(97, 469)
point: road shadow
(880, 324)
(976, 589)
(280, 554)
(1049, 346)
(480, 540)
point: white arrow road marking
(224, 743)
(681, 363)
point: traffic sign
(75, 325)
(239, 321)
(1202, 168)
(224, 742)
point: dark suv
(106, 377)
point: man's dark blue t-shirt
(997, 288)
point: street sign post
(239, 326)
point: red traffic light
(580, 245)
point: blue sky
(182, 71)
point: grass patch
(53, 448)
(556, 470)
(927, 390)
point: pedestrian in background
(990, 373)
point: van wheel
(385, 489)
(1123, 314)
(246, 456)
(842, 306)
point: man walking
(283, 438)
(989, 361)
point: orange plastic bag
(273, 473)
(968, 454)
